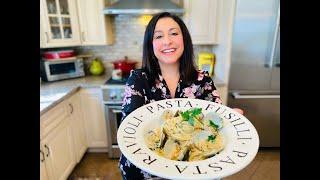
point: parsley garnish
(211, 138)
(189, 115)
(213, 124)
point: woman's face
(167, 41)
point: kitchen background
(128, 32)
(79, 116)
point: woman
(168, 71)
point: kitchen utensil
(206, 62)
(116, 74)
(51, 55)
(125, 65)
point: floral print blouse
(139, 92)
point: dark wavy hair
(150, 65)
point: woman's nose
(167, 40)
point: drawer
(52, 118)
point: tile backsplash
(128, 34)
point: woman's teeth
(168, 50)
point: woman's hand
(238, 110)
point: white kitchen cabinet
(95, 27)
(223, 92)
(58, 23)
(95, 124)
(59, 151)
(43, 169)
(77, 125)
(201, 18)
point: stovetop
(116, 82)
(113, 91)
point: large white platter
(241, 141)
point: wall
(128, 31)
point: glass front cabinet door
(58, 23)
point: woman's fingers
(238, 110)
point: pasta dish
(187, 136)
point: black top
(138, 92)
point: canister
(206, 62)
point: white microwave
(61, 69)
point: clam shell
(213, 117)
(174, 150)
(205, 147)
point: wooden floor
(97, 166)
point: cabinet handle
(47, 36)
(116, 111)
(47, 150)
(71, 108)
(237, 95)
(42, 156)
(83, 36)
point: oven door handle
(116, 111)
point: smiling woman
(168, 71)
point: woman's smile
(169, 51)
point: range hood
(141, 7)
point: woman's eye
(174, 34)
(158, 37)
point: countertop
(52, 93)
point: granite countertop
(52, 93)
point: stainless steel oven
(112, 99)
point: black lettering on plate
(215, 167)
(159, 106)
(224, 110)
(133, 143)
(209, 106)
(137, 119)
(244, 138)
(132, 131)
(230, 115)
(169, 103)
(235, 120)
(187, 104)
(149, 161)
(199, 172)
(242, 131)
(229, 160)
(241, 154)
(150, 108)
(136, 123)
(135, 152)
(237, 125)
(180, 171)
(178, 101)
(129, 137)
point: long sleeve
(210, 92)
(134, 96)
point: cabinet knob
(42, 156)
(48, 150)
